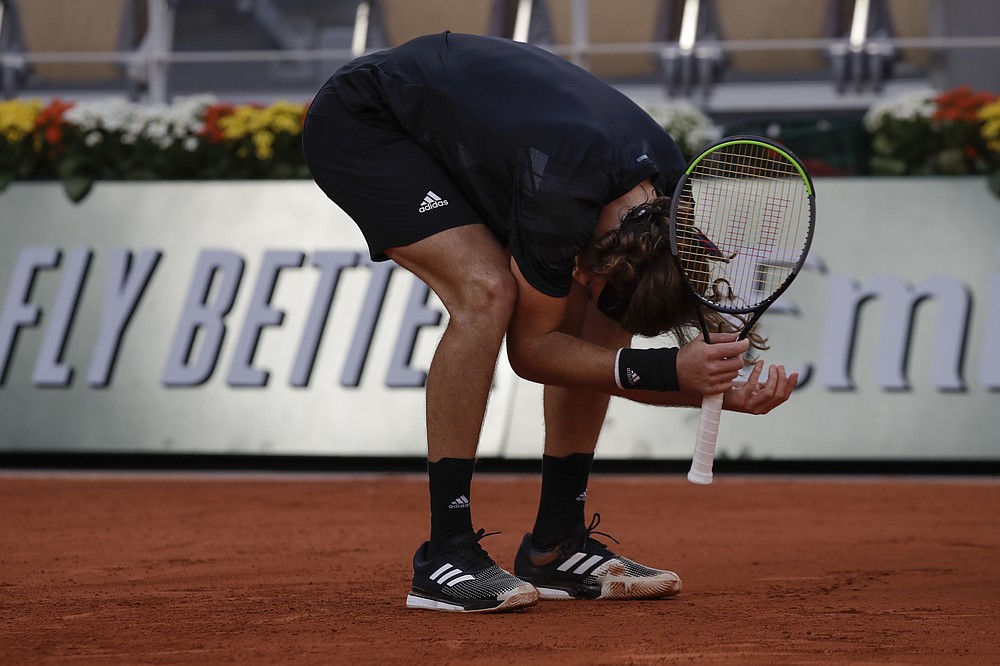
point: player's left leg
(574, 417)
(559, 556)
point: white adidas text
(431, 201)
(461, 502)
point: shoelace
(478, 554)
(591, 529)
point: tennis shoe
(463, 578)
(580, 567)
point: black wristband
(651, 369)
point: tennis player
(527, 194)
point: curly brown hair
(636, 258)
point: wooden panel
(621, 21)
(773, 19)
(911, 18)
(405, 19)
(72, 26)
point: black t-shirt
(536, 144)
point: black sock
(450, 485)
(564, 497)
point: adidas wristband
(650, 369)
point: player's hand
(711, 368)
(754, 397)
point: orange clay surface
(214, 569)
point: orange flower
(213, 128)
(51, 126)
(961, 105)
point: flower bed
(200, 138)
(194, 138)
(112, 139)
(956, 132)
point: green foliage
(926, 133)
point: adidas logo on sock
(633, 378)
(431, 201)
(461, 502)
(582, 497)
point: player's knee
(488, 301)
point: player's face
(592, 283)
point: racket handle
(708, 433)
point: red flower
(213, 114)
(961, 105)
(51, 125)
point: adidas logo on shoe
(450, 575)
(580, 567)
(431, 201)
(463, 578)
(461, 502)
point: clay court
(313, 569)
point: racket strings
(742, 224)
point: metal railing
(685, 55)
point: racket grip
(708, 433)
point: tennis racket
(742, 220)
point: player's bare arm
(540, 352)
(749, 397)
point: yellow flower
(990, 115)
(17, 118)
(263, 142)
(261, 125)
(236, 125)
(285, 117)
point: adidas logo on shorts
(431, 201)
(461, 502)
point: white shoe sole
(665, 585)
(520, 597)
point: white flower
(913, 105)
(93, 138)
(160, 123)
(109, 114)
(156, 129)
(685, 122)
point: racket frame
(708, 423)
(760, 307)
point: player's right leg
(410, 211)
(468, 270)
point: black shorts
(394, 190)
